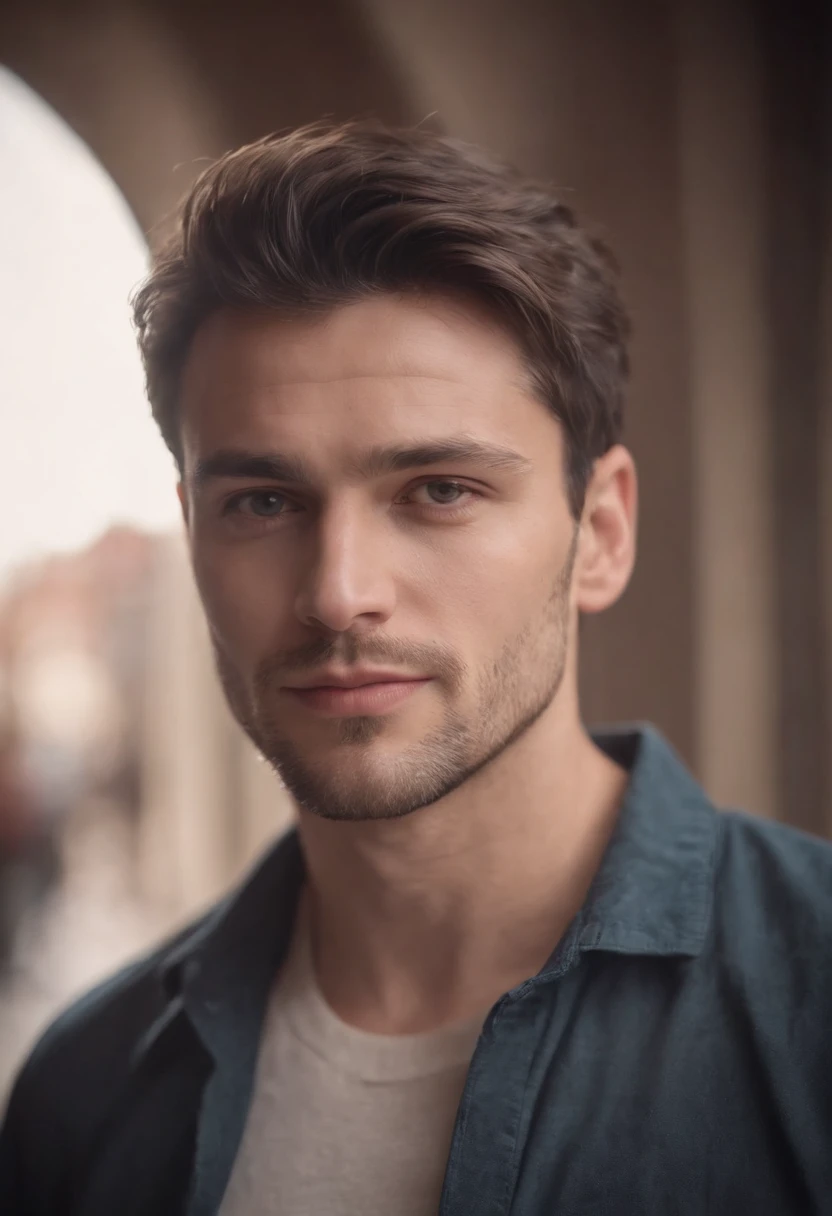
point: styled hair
(330, 214)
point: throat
(407, 936)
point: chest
(597, 1099)
(323, 1137)
(587, 1096)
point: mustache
(352, 649)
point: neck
(425, 920)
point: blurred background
(697, 135)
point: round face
(382, 542)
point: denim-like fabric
(674, 1055)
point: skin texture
(479, 804)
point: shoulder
(767, 969)
(787, 869)
(91, 1045)
(773, 906)
(79, 1066)
(102, 1055)
(108, 1017)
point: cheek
(244, 597)
(499, 571)
(484, 593)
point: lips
(355, 679)
(374, 695)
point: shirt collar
(218, 973)
(653, 892)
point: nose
(348, 584)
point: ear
(607, 542)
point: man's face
(375, 497)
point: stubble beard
(511, 695)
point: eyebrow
(389, 458)
(235, 463)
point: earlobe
(606, 551)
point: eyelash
(233, 504)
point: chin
(359, 787)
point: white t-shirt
(344, 1122)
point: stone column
(722, 165)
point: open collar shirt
(673, 1055)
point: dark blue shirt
(674, 1055)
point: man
(502, 965)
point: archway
(84, 454)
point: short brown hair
(328, 214)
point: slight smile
(378, 696)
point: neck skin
(423, 921)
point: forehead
(362, 373)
